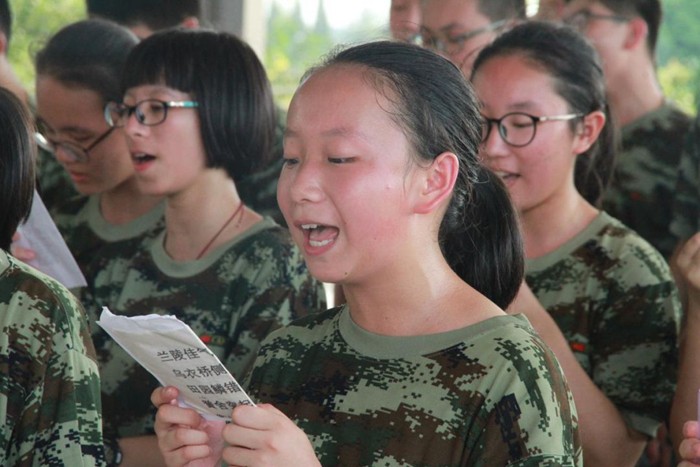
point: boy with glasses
(459, 29)
(625, 32)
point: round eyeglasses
(518, 129)
(148, 112)
(72, 151)
(452, 44)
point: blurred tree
(33, 23)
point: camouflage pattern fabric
(94, 242)
(614, 299)
(641, 190)
(231, 298)
(49, 383)
(490, 394)
(53, 183)
(686, 207)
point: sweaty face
(543, 169)
(75, 116)
(343, 189)
(459, 29)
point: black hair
(87, 54)
(6, 19)
(479, 234)
(155, 14)
(497, 10)
(17, 156)
(649, 10)
(578, 78)
(222, 73)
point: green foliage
(33, 23)
(681, 81)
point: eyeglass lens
(516, 129)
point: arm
(606, 438)
(687, 267)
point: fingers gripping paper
(172, 352)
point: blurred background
(291, 35)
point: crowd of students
(519, 287)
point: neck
(125, 203)
(425, 297)
(635, 95)
(199, 219)
(549, 225)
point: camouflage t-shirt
(641, 191)
(52, 181)
(490, 394)
(613, 297)
(49, 383)
(232, 299)
(686, 207)
(95, 242)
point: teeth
(321, 243)
(309, 226)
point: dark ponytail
(435, 107)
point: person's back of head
(575, 68)
(17, 154)
(154, 15)
(88, 54)
(235, 104)
(479, 235)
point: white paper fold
(53, 257)
(175, 356)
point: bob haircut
(88, 54)
(223, 74)
(479, 234)
(17, 156)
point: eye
(289, 161)
(340, 160)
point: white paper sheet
(53, 257)
(172, 352)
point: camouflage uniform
(94, 242)
(49, 384)
(641, 190)
(686, 207)
(489, 394)
(53, 183)
(613, 297)
(232, 298)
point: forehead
(447, 14)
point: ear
(191, 22)
(3, 44)
(436, 183)
(636, 34)
(588, 131)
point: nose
(303, 182)
(132, 127)
(493, 145)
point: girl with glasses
(77, 74)
(421, 366)
(595, 291)
(198, 115)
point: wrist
(113, 453)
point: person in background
(49, 382)
(421, 366)
(78, 72)
(8, 77)
(459, 29)
(550, 10)
(597, 293)
(624, 32)
(198, 114)
(144, 17)
(404, 19)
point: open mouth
(142, 158)
(506, 176)
(319, 235)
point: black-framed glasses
(148, 112)
(580, 19)
(518, 129)
(452, 44)
(73, 151)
